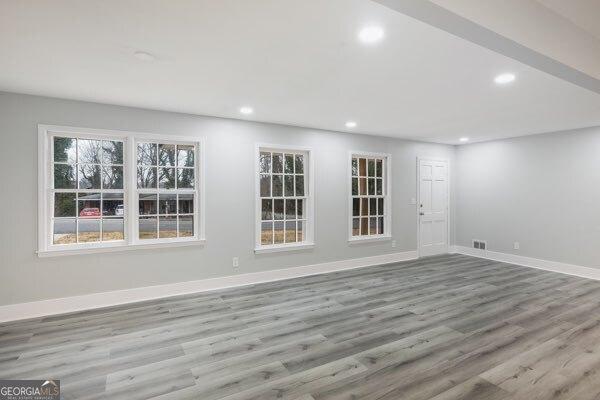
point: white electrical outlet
(393, 243)
(516, 246)
(236, 262)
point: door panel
(433, 207)
(426, 196)
(438, 197)
(439, 232)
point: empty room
(300, 200)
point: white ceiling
(558, 29)
(295, 62)
(583, 13)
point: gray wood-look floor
(447, 327)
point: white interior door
(433, 207)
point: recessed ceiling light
(371, 34)
(350, 124)
(503, 79)
(246, 110)
(143, 56)
(464, 139)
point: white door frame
(417, 208)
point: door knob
(421, 213)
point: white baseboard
(554, 266)
(42, 308)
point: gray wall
(542, 191)
(230, 148)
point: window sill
(368, 239)
(283, 247)
(120, 247)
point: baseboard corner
(547, 265)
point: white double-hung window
(107, 190)
(166, 190)
(87, 192)
(370, 198)
(284, 198)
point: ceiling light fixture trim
(504, 79)
(246, 110)
(371, 34)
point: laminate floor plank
(447, 327)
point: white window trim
(387, 235)
(308, 242)
(131, 242)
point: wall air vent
(479, 244)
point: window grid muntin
(77, 164)
(357, 176)
(304, 198)
(157, 165)
(101, 190)
(177, 215)
(157, 190)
